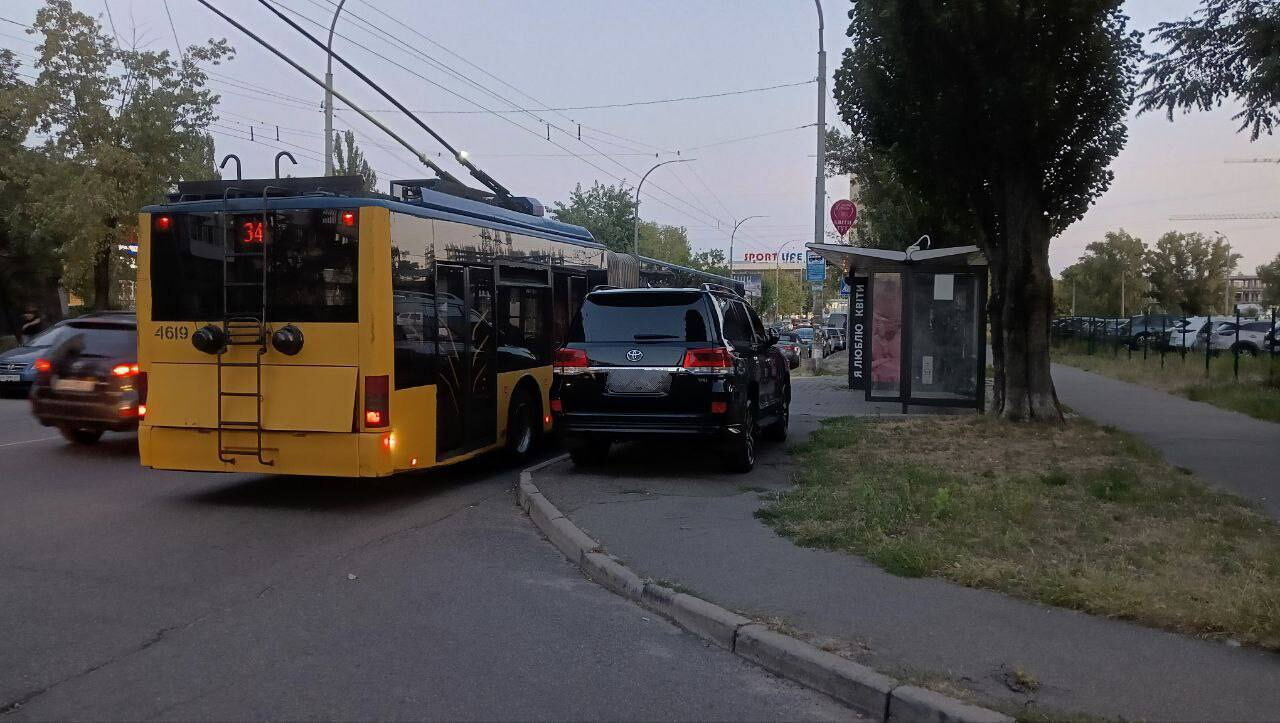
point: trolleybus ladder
(243, 328)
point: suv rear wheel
(741, 457)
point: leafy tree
(665, 243)
(1110, 278)
(349, 160)
(1227, 49)
(711, 261)
(1006, 116)
(1270, 276)
(121, 127)
(608, 212)
(783, 294)
(30, 267)
(890, 215)
(1189, 271)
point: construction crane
(1258, 216)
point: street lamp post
(328, 94)
(635, 223)
(777, 281)
(735, 233)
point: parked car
(1248, 338)
(789, 345)
(835, 330)
(89, 382)
(1182, 335)
(1147, 330)
(808, 339)
(661, 363)
(17, 366)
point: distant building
(1246, 290)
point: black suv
(88, 382)
(654, 363)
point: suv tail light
(377, 401)
(571, 361)
(712, 359)
(125, 370)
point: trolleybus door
(466, 391)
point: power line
(750, 138)
(177, 43)
(112, 20)
(479, 105)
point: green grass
(1077, 516)
(1257, 393)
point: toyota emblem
(635, 355)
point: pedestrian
(32, 322)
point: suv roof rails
(605, 287)
(718, 288)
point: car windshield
(50, 337)
(789, 338)
(642, 316)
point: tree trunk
(102, 280)
(1021, 306)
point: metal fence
(1216, 340)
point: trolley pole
(328, 94)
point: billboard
(769, 260)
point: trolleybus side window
(523, 340)
(414, 306)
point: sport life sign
(858, 333)
(844, 214)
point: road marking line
(28, 441)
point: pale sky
(572, 53)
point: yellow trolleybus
(297, 326)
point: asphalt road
(136, 594)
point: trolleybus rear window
(311, 269)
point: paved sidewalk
(672, 516)
(1229, 449)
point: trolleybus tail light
(557, 406)
(377, 395)
(163, 223)
(571, 361)
(710, 359)
(348, 218)
(43, 366)
(142, 411)
(719, 407)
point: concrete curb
(853, 684)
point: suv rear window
(642, 316)
(105, 340)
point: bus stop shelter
(917, 325)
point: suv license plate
(10, 378)
(73, 385)
(639, 381)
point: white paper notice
(926, 370)
(944, 287)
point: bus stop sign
(844, 214)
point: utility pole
(1122, 293)
(635, 222)
(820, 180)
(328, 94)
(735, 233)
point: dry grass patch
(1079, 516)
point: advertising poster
(858, 333)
